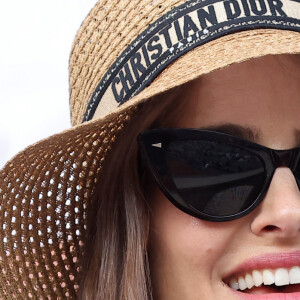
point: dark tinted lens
(216, 179)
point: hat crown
(108, 29)
(122, 46)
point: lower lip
(271, 296)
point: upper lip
(265, 261)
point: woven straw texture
(97, 46)
(112, 25)
(45, 190)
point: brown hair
(116, 265)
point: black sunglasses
(211, 175)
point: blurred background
(36, 39)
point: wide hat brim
(45, 189)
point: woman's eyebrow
(238, 131)
(247, 133)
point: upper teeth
(279, 277)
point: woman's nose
(279, 213)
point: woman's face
(190, 258)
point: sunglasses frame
(155, 162)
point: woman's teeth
(279, 277)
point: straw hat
(125, 52)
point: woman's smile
(268, 273)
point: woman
(190, 257)
(83, 214)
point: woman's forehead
(266, 81)
(260, 94)
(281, 64)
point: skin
(189, 257)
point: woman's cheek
(178, 240)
